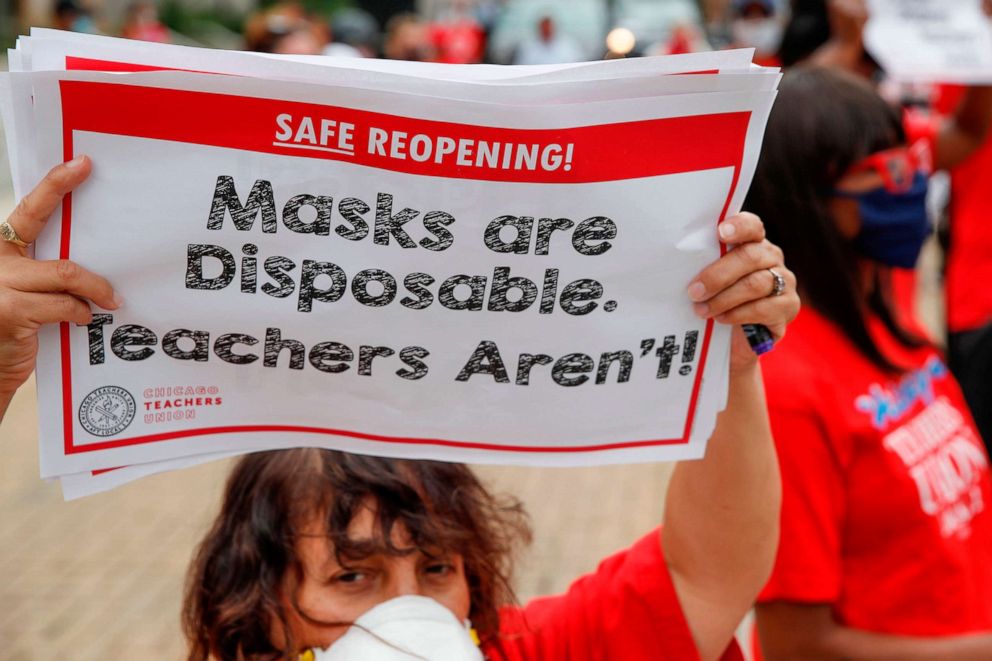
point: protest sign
(931, 40)
(380, 271)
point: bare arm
(34, 293)
(965, 131)
(722, 513)
(721, 519)
(808, 631)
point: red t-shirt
(969, 255)
(886, 489)
(626, 610)
(458, 41)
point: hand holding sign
(32, 292)
(739, 287)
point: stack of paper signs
(465, 263)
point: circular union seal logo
(107, 411)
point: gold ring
(778, 284)
(9, 234)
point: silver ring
(778, 284)
(9, 234)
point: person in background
(755, 24)
(886, 547)
(72, 16)
(142, 23)
(548, 46)
(309, 542)
(968, 257)
(306, 38)
(827, 33)
(954, 128)
(968, 270)
(830, 34)
(354, 33)
(407, 38)
(335, 48)
(685, 37)
(336, 45)
(286, 29)
(457, 35)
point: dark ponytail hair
(823, 122)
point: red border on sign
(73, 63)
(623, 150)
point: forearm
(809, 631)
(963, 133)
(720, 525)
(722, 512)
(846, 643)
(856, 644)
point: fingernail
(727, 230)
(118, 300)
(696, 291)
(701, 309)
(75, 163)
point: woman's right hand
(35, 292)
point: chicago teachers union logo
(107, 411)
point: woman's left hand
(739, 287)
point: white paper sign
(931, 40)
(369, 302)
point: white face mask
(405, 629)
(761, 34)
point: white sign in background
(931, 40)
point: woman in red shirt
(886, 548)
(310, 542)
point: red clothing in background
(460, 41)
(969, 256)
(921, 134)
(886, 490)
(627, 610)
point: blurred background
(101, 578)
(499, 31)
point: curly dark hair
(232, 601)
